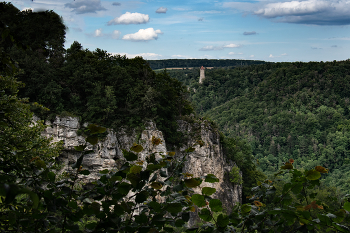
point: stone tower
(202, 75)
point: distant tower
(202, 75)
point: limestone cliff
(208, 159)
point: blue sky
(311, 30)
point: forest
(284, 110)
(284, 124)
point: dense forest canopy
(285, 110)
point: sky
(269, 30)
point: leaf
(142, 218)
(211, 178)
(51, 176)
(93, 140)
(40, 163)
(185, 216)
(124, 188)
(129, 156)
(155, 205)
(135, 169)
(96, 129)
(78, 163)
(174, 208)
(347, 206)
(205, 215)
(287, 165)
(193, 182)
(208, 191)
(95, 206)
(179, 223)
(136, 148)
(171, 154)
(141, 196)
(105, 171)
(84, 172)
(340, 216)
(80, 148)
(215, 205)
(156, 185)
(190, 149)
(246, 208)
(321, 169)
(297, 188)
(153, 167)
(312, 175)
(198, 200)
(223, 220)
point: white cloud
(130, 18)
(85, 6)
(211, 47)
(116, 34)
(271, 56)
(252, 56)
(232, 46)
(143, 35)
(284, 54)
(233, 53)
(98, 32)
(316, 12)
(161, 10)
(279, 9)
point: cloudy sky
(311, 30)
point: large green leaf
(198, 200)
(141, 196)
(215, 205)
(129, 156)
(205, 215)
(223, 220)
(208, 191)
(312, 175)
(193, 182)
(211, 178)
(96, 129)
(174, 208)
(347, 206)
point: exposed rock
(206, 159)
(209, 159)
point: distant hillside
(285, 110)
(187, 63)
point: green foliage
(113, 91)
(235, 177)
(283, 110)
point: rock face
(206, 159)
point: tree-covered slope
(286, 110)
(112, 91)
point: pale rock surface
(208, 159)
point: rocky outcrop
(206, 159)
(209, 159)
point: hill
(285, 110)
